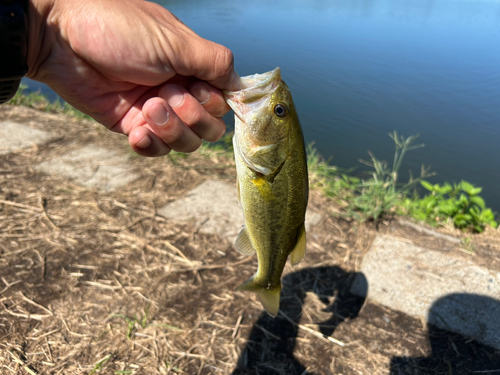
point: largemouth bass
(272, 180)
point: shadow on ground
(454, 353)
(272, 340)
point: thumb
(207, 61)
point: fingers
(168, 127)
(179, 119)
(144, 142)
(192, 112)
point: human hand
(135, 68)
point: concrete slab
(214, 207)
(15, 136)
(451, 292)
(92, 166)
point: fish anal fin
(270, 298)
(243, 243)
(299, 250)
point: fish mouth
(254, 93)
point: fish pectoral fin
(299, 250)
(243, 244)
(270, 298)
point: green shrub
(459, 204)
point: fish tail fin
(270, 298)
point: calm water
(359, 69)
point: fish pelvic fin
(243, 243)
(299, 250)
(270, 298)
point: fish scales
(272, 180)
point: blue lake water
(359, 69)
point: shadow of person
(269, 349)
(464, 336)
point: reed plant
(380, 194)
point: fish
(272, 180)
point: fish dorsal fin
(270, 298)
(299, 250)
(243, 243)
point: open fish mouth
(254, 94)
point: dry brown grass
(98, 283)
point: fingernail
(159, 115)
(201, 94)
(174, 95)
(144, 142)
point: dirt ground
(98, 283)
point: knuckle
(196, 116)
(188, 145)
(172, 134)
(211, 138)
(216, 132)
(224, 61)
(195, 146)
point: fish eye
(280, 110)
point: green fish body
(272, 180)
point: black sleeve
(13, 46)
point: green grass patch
(40, 102)
(334, 182)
